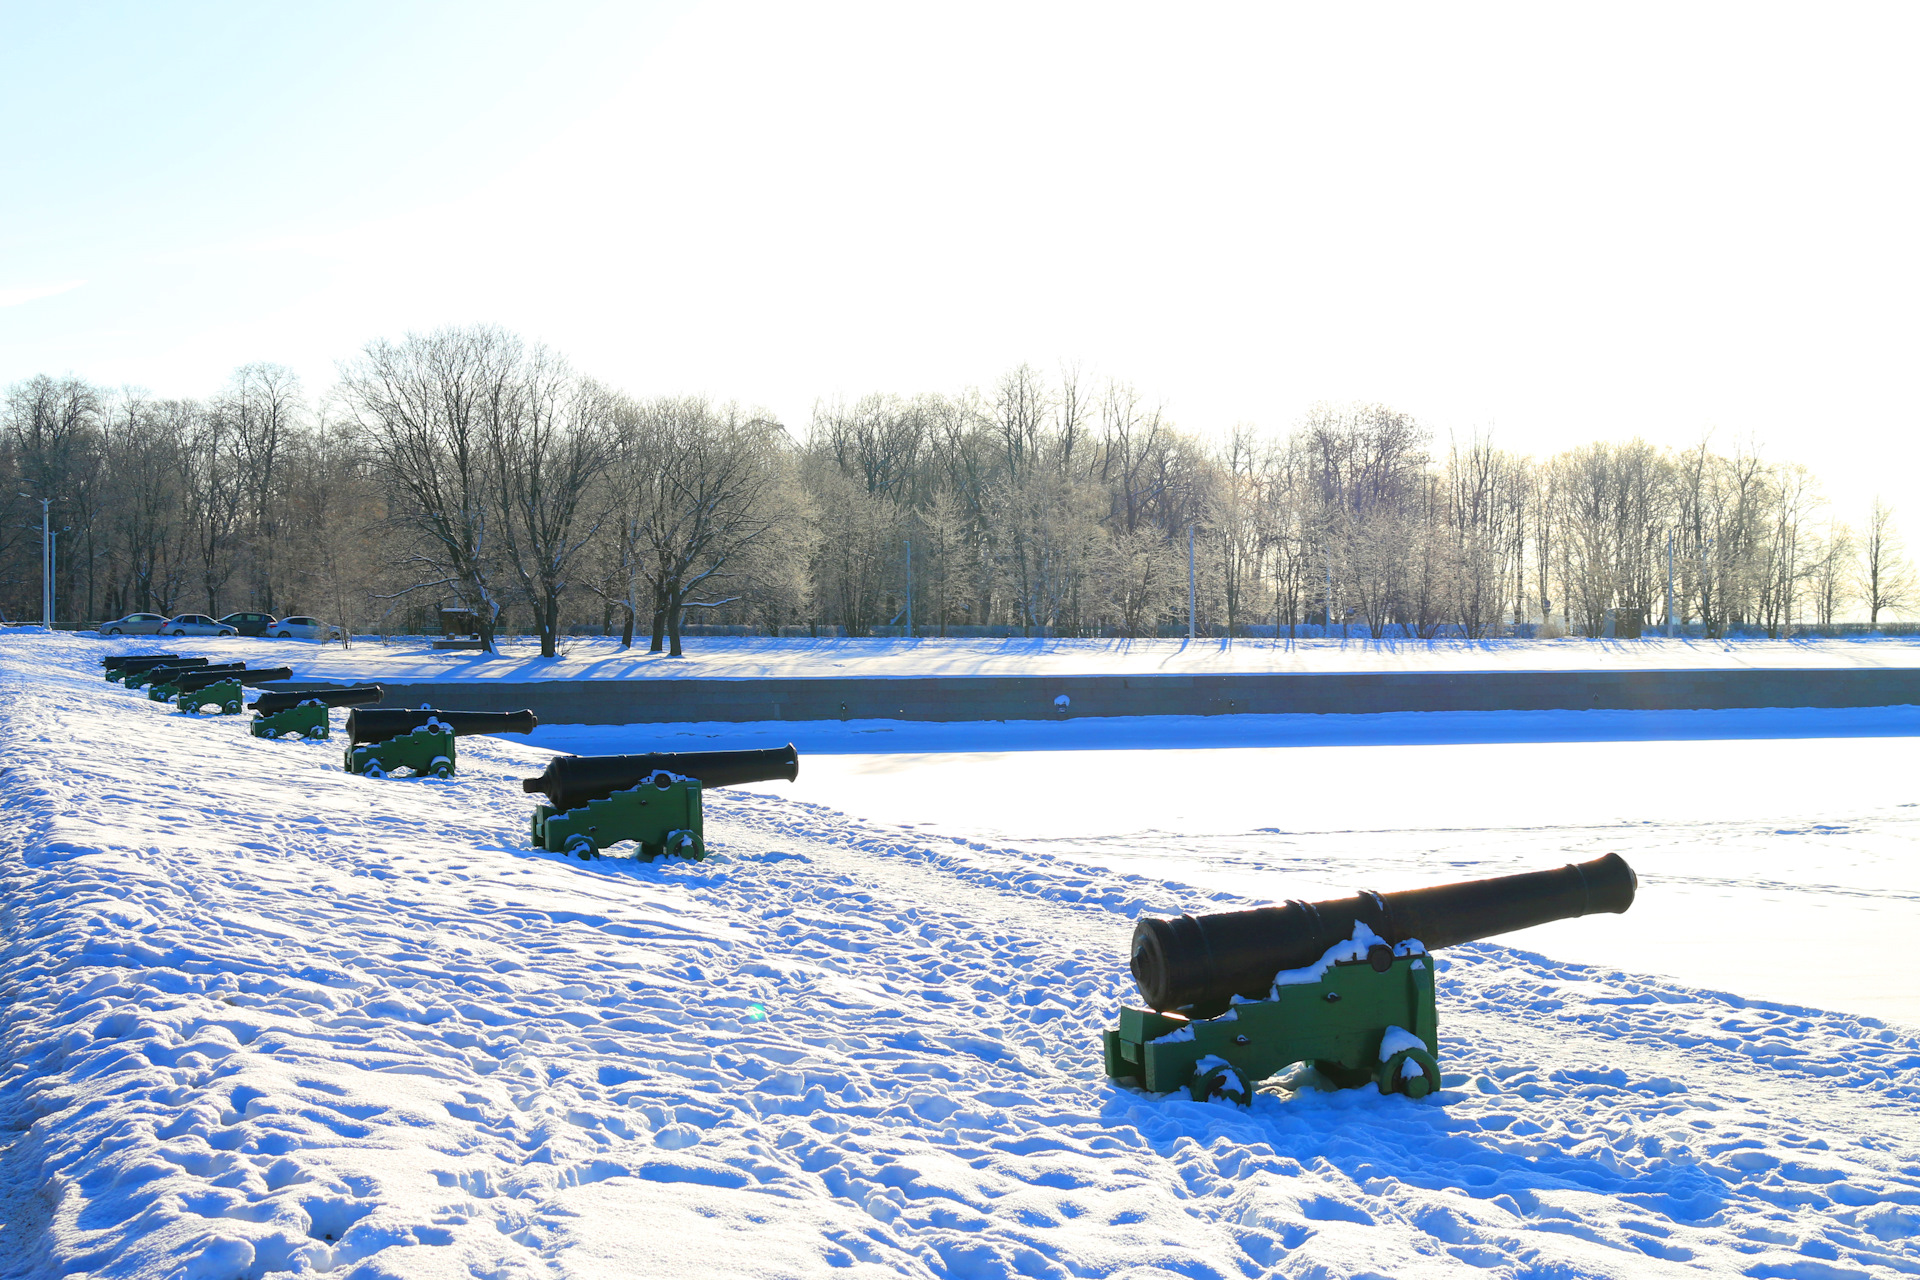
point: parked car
(194, 624)
(134, 624)
(249, 624)
(299, 628)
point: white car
(195, 624)
(134, 624)
(299, 628)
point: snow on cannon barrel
(382, 739)
(653, 800)
(1346, 984)
(305, 711)
(220, 688)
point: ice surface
(1781, 868)
(266, 1017)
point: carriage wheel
(1394, 1077)
(1216, 1080)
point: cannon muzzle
(140, 662)
(192, 680)
(1197, 964)
(345, 696)
(377, 724)
(571, 781)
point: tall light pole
(909, 588)
(46, 561)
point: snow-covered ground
(263, 1016)
(738, 658)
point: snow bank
(265, 1017)
(722, 657)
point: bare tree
(1886, 580)
(262, 407)
(211, 486)
(423, 407)
(549, 435)
(1829, 563)
(150, 516)
(52, 430)
(715, 488)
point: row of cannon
(1231, 998)
(652, 799)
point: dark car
(249, 624)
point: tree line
(469, 467)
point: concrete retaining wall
(953, 698)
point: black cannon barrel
(346, 696)
(571, 781)
(377, 724)
(1197, 964)
(168, 672)
(135, 666)
(141, 661)
(217, 675)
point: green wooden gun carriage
(217, 687)
(304, 711)
(1346, 985)
(653, 800)
(121, 665)
(381, 740)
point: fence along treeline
(469, 467)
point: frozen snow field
(265, 1017)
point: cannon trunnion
(653, 800)
(1346, 985)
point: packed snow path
(263, 1016)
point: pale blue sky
(142, 129)
(1561, 223)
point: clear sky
(1558, 222)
